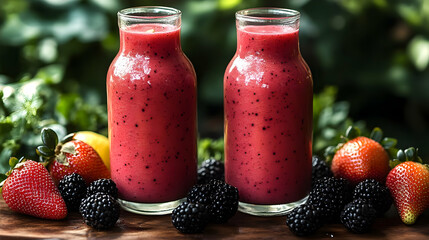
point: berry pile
(97, 204)
(214, 202)
(333, 199)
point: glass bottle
(151, 95)
(268, 90)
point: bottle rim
(149, 13)
(268, 15)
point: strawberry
(71, 156)
(408, 183)
(361, 157)
(29, 189)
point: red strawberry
(78, 157)
(29, 189)
(70, 157)
(360, 158)
(408, 183)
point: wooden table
(241, 226)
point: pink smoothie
(268, 117)
(151, 88)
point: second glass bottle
(268, 100)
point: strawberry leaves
(50, 141)
(409, 154)
(49, 138)
(352, 132)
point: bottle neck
(159, 40)
(149, 30)
(267, 32)
(267, 41)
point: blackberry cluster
(375, 193)
(329, 196)
(211, 169)
(220, 201)
(358, 216)
(224, 201)
(100, 208)
(304, 220)
(320, 169)
(325, 202)
(103, 185)
(73, 189)
(333, 199)
(100, 211)
(190, 217)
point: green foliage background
(369, 60)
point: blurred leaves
(36, 102)
(210, 148)
(418, 49)
(68, 23)
(330, 119)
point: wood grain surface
(241, 226)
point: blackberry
(358, 216)
(103, 185)
(329, 196)
(100, 211)
(220, 198)
(190, 217)
(201, 193)
(224, 202)
(375, 193)
(320, 169)
(72, 188)
(211, 169)
(303, 220)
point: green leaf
(410, 154)
(352, 132)
(68, 138)
(13, 161)
(44, 151)
(393, 152)
(49, 138)
(376, 134)
(401, 156)
(388, 143)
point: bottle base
(269, 210)
(150, 208)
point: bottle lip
(268, 15)
(149, 13)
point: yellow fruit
(97, 141)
